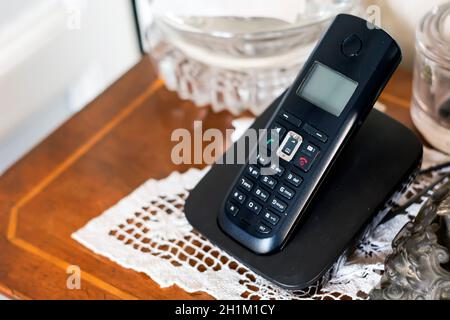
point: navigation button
(315, 133)
(290, 146)
(291, 119)
(351, 46)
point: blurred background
(56, 56)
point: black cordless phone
(326, 105)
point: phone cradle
(378, 161)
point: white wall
(56, 56)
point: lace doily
(147, 231)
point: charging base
(375, 164)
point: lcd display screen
(327, 89)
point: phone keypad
(271, 218)
(261, 194)
(286, 192)
(254, 206)
(239, 197)
(253, 171)
(268, 181)
(277, 169)
(232, 208)
(278, 205)
(263, 229)
(246, 184)
(265, 191)
(294, 179)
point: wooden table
(99, 156)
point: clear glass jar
(431, 89)
(237, 63)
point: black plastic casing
(372, 68)
(364, 178)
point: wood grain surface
(99, 156)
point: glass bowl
(237, 63)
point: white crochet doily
(147, 231)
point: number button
(278, 205)
(246, 184)
(269, 182)
(261, 194)
(272, 218)
(239, 196)
(253, 172)
(254, 207)
(286, 192)
(278, 170)
(233, 209)
(294, 179)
